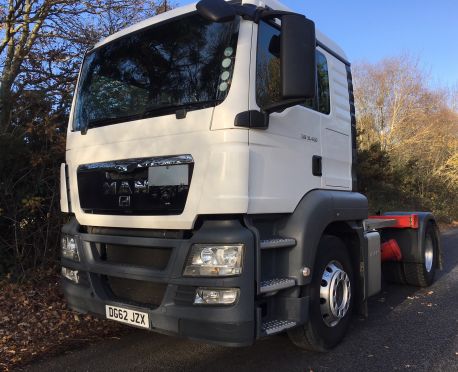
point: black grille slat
(140, 233)
(155, 258)
(136, 292)
(185, 295)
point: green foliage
(41, 46)
(29, 199)
(30, 156)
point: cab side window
(268, 72)
(323, 95)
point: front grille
(136, 292)
(155, 258)
(138, 187)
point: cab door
(286, 158)
(336, 124)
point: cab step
(277, 243)
(276, 326)
(275, 285)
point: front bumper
(174, 312)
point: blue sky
(373, 29)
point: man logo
(109, 188)
(124, 201)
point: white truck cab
(210, 177)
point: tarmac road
(407, 329)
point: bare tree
(414, 125)
(42, 43)
(389, 94)
(45, 39)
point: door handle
(317, 166)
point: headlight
(214, 260)
(69, 248)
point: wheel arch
(323, 212)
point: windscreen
(186, 63)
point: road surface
(407, 329)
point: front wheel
(331, 298)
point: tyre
(422, 274)
(331, 298)
(393, 272)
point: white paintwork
(220, 177)
(236, 170)
(281, 160)
(63, 190)
(336, 130)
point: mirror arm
(264, 14)
(252, 119)
(247, 11)
(282, 105)
(256, 14)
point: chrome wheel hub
(335, 294)
(429, 253)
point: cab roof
(274, 4)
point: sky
(370, 30)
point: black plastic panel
(185, 295)
(136, 292)
(166, 295)
(152, 257)
(354, 145)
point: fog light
(72, 275)
(69, 248)
(214, 260)
(216, 296)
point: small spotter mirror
(216, 10)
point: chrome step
(277, 243)
(277, 284)
(276, 326)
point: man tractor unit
(210, 182)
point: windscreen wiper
(107, 121)
(180, 110)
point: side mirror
(298, 63)
(295, 47)
(216, 10)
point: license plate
(172, 175)
(132, 317)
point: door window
(268, 72)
